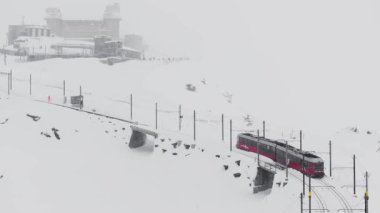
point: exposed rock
(34, 117)
(191, 87)
(56, 133)
(5, 121)
(45, 134)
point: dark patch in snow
(56, 133)
(174, 145)
(369, 133)
(45, 134)
(237, 162)
(187, 146)
(123, 128)
(191, 87)
(217, 156)
(354, 129)
(174, 153)
(34, 117)
(248, 120)
(204, 81)
(5, 121)
(228, 97)
(284, 184)
(237, 175)
(162, 139)
(156, 145)
(164, 150)
(225, 167)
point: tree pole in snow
(64, 88)
(80, 90)
(354, 158)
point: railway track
(346, 207)
(322, 206)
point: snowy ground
(92, 169)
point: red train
(281, 153)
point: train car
(282, 154)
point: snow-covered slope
(92, 169)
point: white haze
(327, 50)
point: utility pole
(64, 88)
(330, 154)
(131, 108)
(222, 127)
(179, 117)
(303, 173)
(8, 75)
(366, 196)
(230, 135)
(309, 193)
(11, 80)
(301, 140)
(354, 175)
(263, 129)
(156, 114)
(286, 160)
(194, 119)
(30, 84)
(258, 148)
